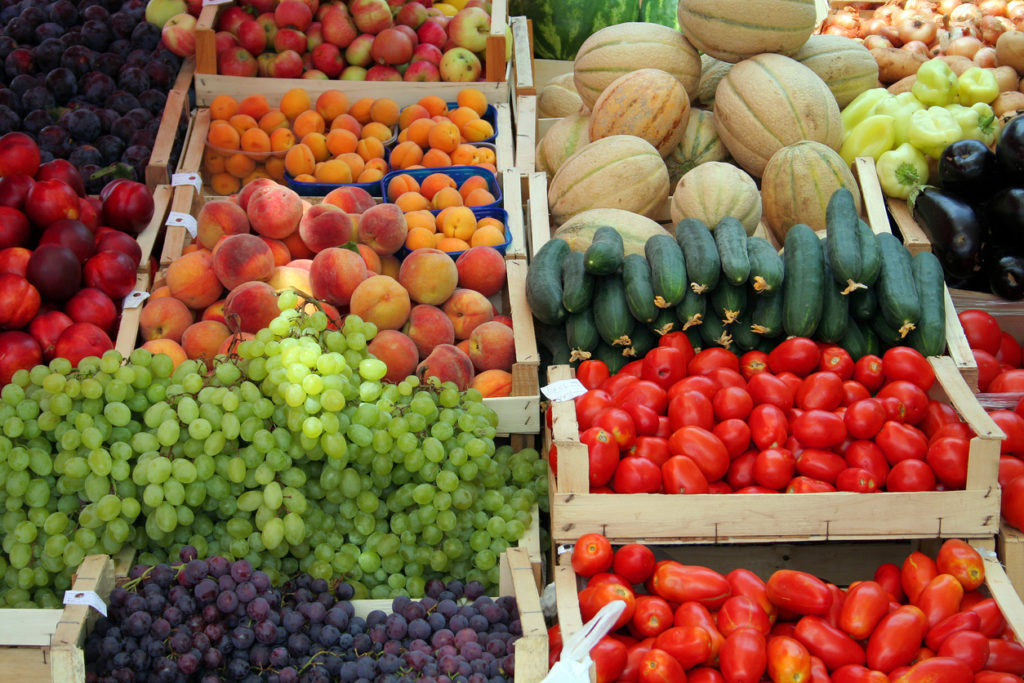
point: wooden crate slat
(526, 133)
(32, 627)
(512, 198)
(505, 142)
(522, 57)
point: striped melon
(648, 103)
(616, 50)
(617, 172)
(797, 184)
(558, 98)
(700, 143)
(770, 101)
(578, 231)
(845, 65)
(711, 72)
(561, 142)
(662, 12)
(732, 30)
(561, 26)
(714, 190)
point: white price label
(564, 390)
(134, 299)
(90, 598)
(185, 220)
(193, 179)
(215, 2)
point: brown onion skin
(986, 57)
(993, 8)
(873, 41)
(917, 28)
(946, 7)
(966, 13)
(918, 47)
(965, 46)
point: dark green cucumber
(544, 282)
(853, 341)
(731, 240)
(604, 255)
(897, 294)
(692, 309)
(864, 305)
(665, 322)
(872, 343)
(577, 283)
(843, 241)
(766, 268)
(870, 256)
(835, 306)
(766, 316)
(742, 333)
(703, 266)
(715, 333)
(668, 270)
(611, 312)
(636, 276)
(805, 279)
(554, 350)
(612, 356)
(888, 335)
(643, 341)
(727, 301)
(930, 336)
(581, 334)
(696, 340)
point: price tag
(193, 179)
(90, 598)
(563, 549)
(215, 2)
(185, 220)
(564, 390)
(134, 299)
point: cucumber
(611, 312)
(668, 270)
(643, 341)
(887, 334)
(766, 268)
(872, 343)
(696, 340)
(727, 301)
(581, 334)
(715, 333)
(897, 293)
(742, 331)
(636, 276)
(843, 240)
(870, 256)
(835, 305)
(692, 309)
(766, 316)
(703, 267)
(604, 255)
(853, 341)
(612, 357)
(864, 305)
(665, 322)
(731, 240)
(544, 282)
(930, 336)
(577, 283)
(554, 350)
(805, 279)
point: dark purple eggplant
(968, 168)
(1005, 270)
(953, 228)
(1010, 150)
(1004, 217)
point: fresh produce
(635, 229)
(726, 31)
(560, 30)
(712, 190)
(845, 65)
(558, 98)
(636, 103)
(562, 140)
(700, 144)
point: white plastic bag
(573, 666)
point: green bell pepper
(977, 85)
(902, 169)
(861, 107)
(870, 138)
(978, 121)
(932, 130)
(936, 84)
(900, 107)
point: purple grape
(241, 570)
(205, 590)
(242, 637)
(180, 642)
(227, 601)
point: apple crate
(209, 83)
(173, 130)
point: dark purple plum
(9, 120)
(35, 121)
(169, 58)
(138, 57)
(45, 155)
(121, 47)
(109, 64)
(9, 98)
(48, 29)
(137, 157)
(153, 101)
(7, 45)
(22, 83)
(122, 24)
(95, 11)
(123, 127)
(160, 75)
(21, 30)
(96, 35)
(140, 115)
(62, 83)
(83, 125)
(107, 117)
(85, 154)
(72, 37)
(8, 12)
(146, 35)
(97, 87)
(38, 97)
(153, 126)
(110, 147)
(18, 62)
(34, 15)
(63, 12)
(47, 54)
(122, 102)
(92, 185)
(133, 79)
(56, 140)
(78, 59)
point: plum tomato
(981, 329)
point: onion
(993, 27)
(917, 47)
(924, 6)
(962, 30)
(966, 13)
(1015, 12)
(875, 40)
(985, 57)
(836, 30)
(917, 28)
(1013, 5)
(965, 46)
(878, 27)
(946, 7)
(887, 12)
(993, 8)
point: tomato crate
(173, 131)
(751, 518)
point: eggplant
(1010, 150)
(968, 168)
(953, 228)
(1005, 269)
(1004, 217)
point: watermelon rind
(561, 26)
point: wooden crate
(176, 110)
(752, 518)
(1010, 546)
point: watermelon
(561, 26)
(660, 12)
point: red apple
(179, 34)
(236, 62)
(262, 6)
(327, 58)
(383, 72)
(426, 52)
(371, 16)
(411, 14)
(46, 327)
(19, 153)
(64, 170)
(19, 301)
(287, 64)
(80, 340)
(290, 39)
(314, 36)
(266, 20)
(422, 71)
(231, 18)
(55, 271)
(459, 64)
(49, 201)
(18, 351)
(14, 228)
(391, 46)
(71, 234)
(14, 189)
(115, 240)
(112, 272)
(353, 73)
(358, 51)
(252, 37)
(91, 305)
(222, 40)
(293, 14)
(432, 31)
(337, 26)
(15, 260)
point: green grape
(273, 533)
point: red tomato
(658, 666)
(986, 676)
(619, 424)
(896, 639)
(962, 561)
(854, 673)
(767, 388)
(644, 392)
(593, 598)
(739, 611)
(735, 435)
(664, 427)
(955, 623)
(958, 429)
(741, 470)
(910, 475)
(744, 656)
(798, 592)
(864, 418)
(590, 404)
(819, 429)
(890, 577)
(854, 391)
(727, 377)
(821, 390)
(865, 605)
(636, 475)
(820, 464)
(677, 340)
(665, 365)
(634, 653)
(819, 672)
(634, 562)
(554, 644)
(732, 402)
(970, 647)
(681, 474)
(992, 621)
(699, 383)
(704, 448)
(681, 583)
(905, 362)
(916, 572)
(1012, 503)
(713, 357)
(788, 660)
(695, 614)
(913, 401)
(617, 382)
(769, 427)
(1009, 350)
(752, 363)
(592, 372)
(774, 468)
(802, 484)
(591, 554)
(940, 598)
(1010, 467)
(720, 486)
(988, 368)
(1012, 425)
(948, 459)
(644, 418)
(633, 368)
(868, 371)
(981, 329)
(654, 448)
(866, 455)
(936, 415)
(745, 582)
(651, 616)
(798, 355)
(838, 360)
(691, 408)
(689, 645)
(704, 674)
(602, 455)
(901, 442)
(857, 480)
(1005, 656)
(936, 670)
(791, 379)
(608, 577)
(609, 657)
(1009, 382)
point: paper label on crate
(564, 390)
(215, 2)
(135, 299)
(188, 222)
(90, 598)
(193, 179)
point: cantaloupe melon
(578, 231)
(615, 50)
(711, 72)
(561, 141)
(714, 190)
(845, 65)
(617, 172)
(770, 101)
(700, 143)
(732, 30)
(559, 97)
(648, 103)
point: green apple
(159, 11)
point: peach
(371, 258)
(160, 292)
(493, 383)
(464, 346)
(381, 300)
(250, 307)
(397, 351)
(274, 211)
(280, 250)
(303, 263)
(390, 265)
(242, 258)
(250, 189)
(449, 364)
(481, 269)
(288, 277)
(169, 347)
(164, 318)
(383, 228)
(335, 273)
(231, 342)
(214, 311)
(191, 279)
(428, 326)
(467, 309)
(325, 225)
(202, 339)
(492, 346)
(430, 276)
(350, 199)
(220, 217)
(504, 320)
